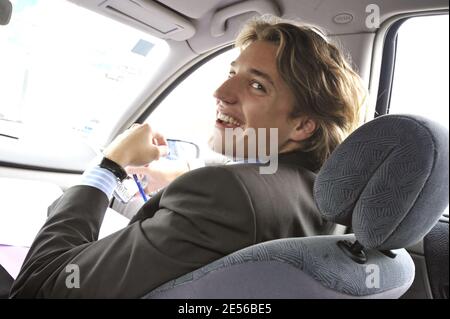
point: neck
(288, 147)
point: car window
(420, 84)
(421, 76)
(189, 111)
(65, 67)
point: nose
(228, 91)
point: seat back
(388, 181)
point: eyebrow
(259, 74)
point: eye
(258, 86)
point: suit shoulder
(207, 176)
(209, 187)
(215, 195)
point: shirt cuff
(101, 179)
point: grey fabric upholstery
(5, 11)
(436, 251)
(389, 181)
(311, 267)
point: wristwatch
(114, 168)
(126, 187)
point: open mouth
(227, 121)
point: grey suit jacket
(200, 217)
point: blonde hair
(325, 86)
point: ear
(304, 127)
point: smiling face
(255, 96)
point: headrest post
(353, 250)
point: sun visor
(146, 15)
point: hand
(137, 146)
(160, 173)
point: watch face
(126, 190)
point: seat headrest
(5, 11)
(388, 180)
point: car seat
(388, 181)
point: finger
(163, 150)
(159, 139)
(147, 127)
(137, 170)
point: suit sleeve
(202, 216)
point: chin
(217, 142)
(237, 148)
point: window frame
(388, 61)
(171, 87)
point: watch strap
(114, 168)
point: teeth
(228, 119)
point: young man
(287, 77)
